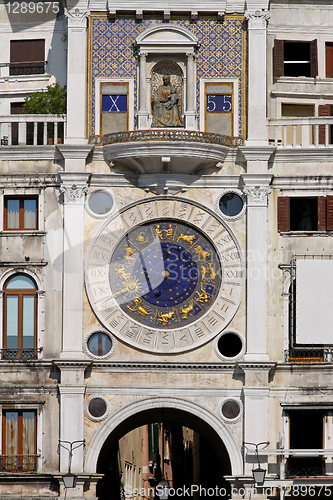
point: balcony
(166, 150)
(309, 132)
(32, 130)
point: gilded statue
(165, 105)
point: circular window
(229, 345)
(97, 408)
(100, 203)
(231, 204)
(231, 409)
(99, 345)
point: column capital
(77, 18)
(74, 188)
(257, 19)
(257, 188)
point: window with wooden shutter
(27, 57)
(295, 58)
(321, 213)
(324, 110)
(283, 214)
(329, 59)
(329, 213)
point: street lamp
(69, 479)
(259, 473)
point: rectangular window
(27, 57)
(300, 421)
(19, 441)
(219, 108)
(305, 213)
(295, 58)
(114, 107)
(20, 213)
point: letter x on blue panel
(114, 103)
(218, 103)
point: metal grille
(19, 463)
(27, 68)
(305, 467)
(20, 353)
(166, 135)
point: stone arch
(159, 403)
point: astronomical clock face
(164, 275)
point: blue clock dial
(165, 274)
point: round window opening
(230, 345)
(99, 344)
(230, 409)
(231, 204)
(97, 407)
(100, 202)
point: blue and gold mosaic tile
(222, 53)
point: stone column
(190, 114)
(74, 187)
(143, 111)
(257, 26)
(257, 189)
(76, 76)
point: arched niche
(170, 44)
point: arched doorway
(208, 453)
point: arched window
(20, 318)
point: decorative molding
(74, 187)
(77, 18)
(164, 367)
(257, 19)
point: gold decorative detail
(143, 311)
(212, 272)
(142, 238)
(188, 238)
(202, 297)
(186, 310)
(120, 273)
(167, 232)
(201, 253)
(204, 271)
(165, 317)
(129, 253)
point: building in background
(166, 248)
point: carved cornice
(77, 18)
(257, 19)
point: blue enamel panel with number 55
(218, 103)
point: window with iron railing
(19, 441)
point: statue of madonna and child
(165, 106)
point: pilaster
(257, 189)
(257, 35)
(74, 188)
(76, 76)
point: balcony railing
(32, 130)
(166, 135)
(19, 463)
(22, 354)
(301, 132)
(27, 68)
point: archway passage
(163, 444)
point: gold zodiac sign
(129, 253)
(204, 271)
(120, 273)
(143, 311)
(188, 238)
(212, 272)
(186, 310)
(142, 238)
(168, 232)
(202, 297)
(201, 253)
(165, 317)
